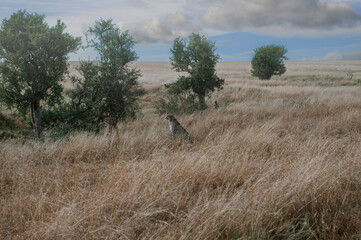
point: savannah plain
(278, 159)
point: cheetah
(176, 128)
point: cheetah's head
(170, 118)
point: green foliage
(34, 62)
(268, 61)
(196, 56)
(176, 101)
(5, 122)
(12, 126)
(108, 90)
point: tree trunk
(202, 102)
(35, 112)
(113, 127)
(32, 118)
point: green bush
(268, 61)
(176, 101)
(13, 125)
(69, 116)
(5, 122)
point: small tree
(268, 61)
(196, 56)
(33, 62)
(109, 89)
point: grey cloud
(337, 55)
(163, 30)
(305, 14)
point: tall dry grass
(277, 160)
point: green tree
(196, 56)
(268, 61)
(109, 89)
(33, 63)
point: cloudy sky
(310, 29)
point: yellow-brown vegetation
(278, 159)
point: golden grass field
(280, 159)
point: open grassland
(278, 159)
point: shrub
(176, 101)
(5, 122)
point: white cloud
(162, 30)
(286, 17)
(163, 20)
(288, 30)
(80, 14)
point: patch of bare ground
(277, 160)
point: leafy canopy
(34, 59)
(268, 61)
